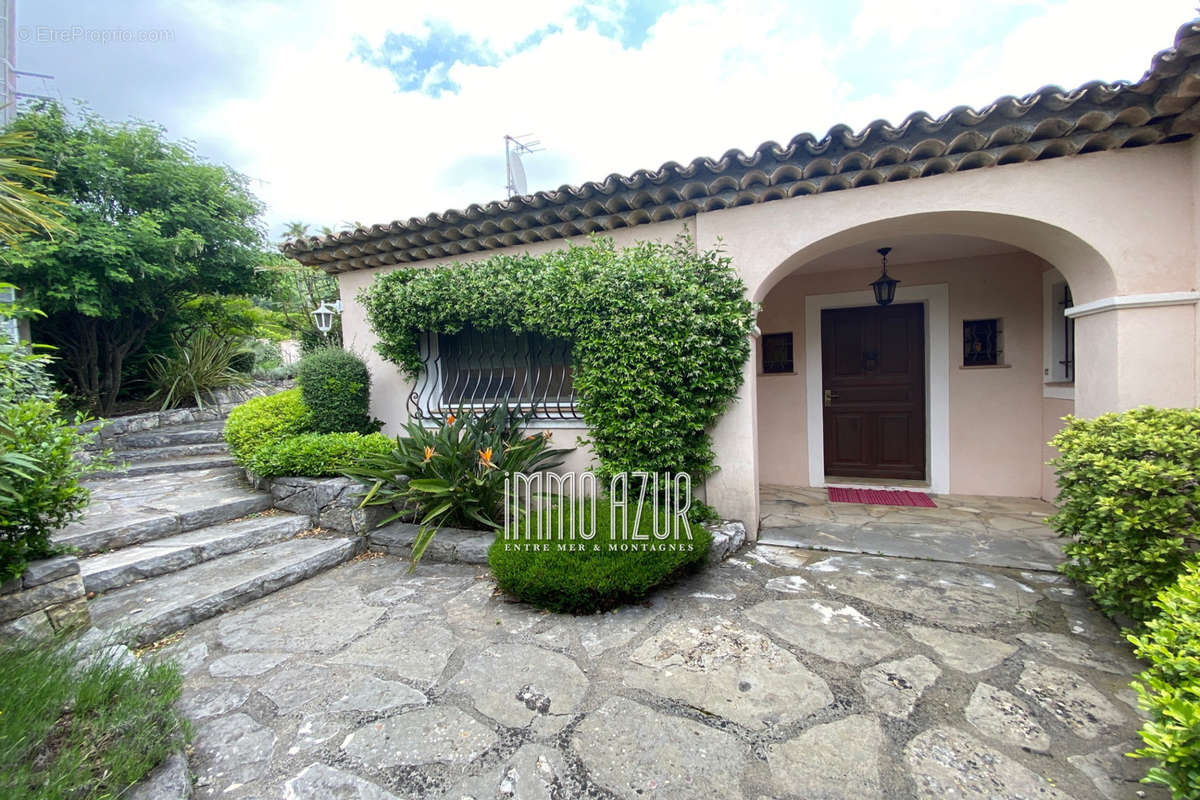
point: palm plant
(23, 208)
(453, 474)
(199, 366)
(295, 230)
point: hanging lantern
(884, 286)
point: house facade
(1048, 253)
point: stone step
(169, 436)
(143, 455)
(104, 573)
(146, 611)
(160, 466)
(133, 510)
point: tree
(152, 227)
(295, 230)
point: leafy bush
(72, 732)
(200, 365)
(316, 455)
(264, 420)
(337, 389)
(23, 373)
(453, 474)
(39, 480)
(1170, 688)
(659, 335)
(1129, 495)
(574, 576)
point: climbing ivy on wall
(659, 335)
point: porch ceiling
(1050, 123)
(908, 249)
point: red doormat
(880, 497)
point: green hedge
(1129, 491)
(274, 435)
(264, 420)
(596, 578)
(336, 387)
(316, 455)
(1170, 688)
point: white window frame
(1054, 381)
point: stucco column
(733, 490)
(1132, 356)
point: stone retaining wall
(224, 401)
(450, 545)
(331, 502)
(48, 598)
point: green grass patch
(572, 575)
(82, 733)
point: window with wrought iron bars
(479, 369)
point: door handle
(830, 397)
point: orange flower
(450, 419)
(428, 453)
(546, 435)
(485, 458)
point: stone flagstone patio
(781, 673)
(963, 529)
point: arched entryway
(950, 388)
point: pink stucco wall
(1053, 411)
(1116, 224)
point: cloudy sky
(367, 110)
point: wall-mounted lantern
(323, 315)
(885, 286)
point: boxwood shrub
(570, 575)
(316, 455)
(1129, 495)
(263, 420)
(336, 387)
(1170, 688)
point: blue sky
(370, 110)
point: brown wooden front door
(873, 381)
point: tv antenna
(11, 78)
(514, 148)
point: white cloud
(331, 139)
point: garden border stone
(49, 597)
(457, 545)
(333, 503)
